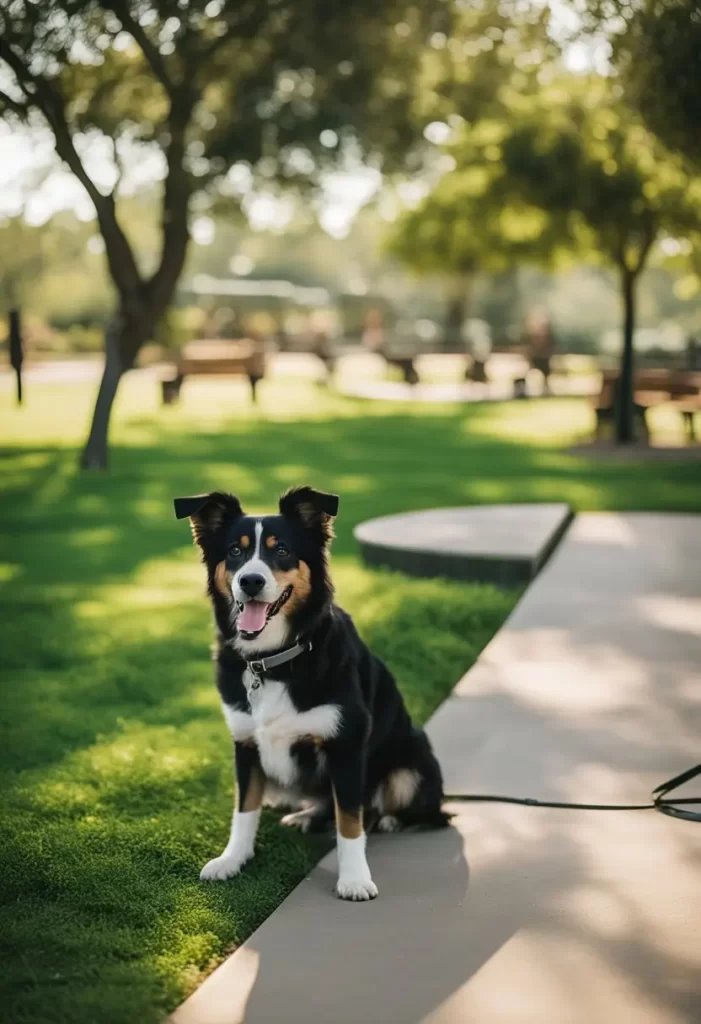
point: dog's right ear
(207, 512)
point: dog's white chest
(275, 729)
(275, 725)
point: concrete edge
(425, 563)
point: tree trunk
(94, 454)
(16, 349)
(625, 419)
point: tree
(611, 185)
(656, 49)
(475, 82)
(278, 89)
(471, 222)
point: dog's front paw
(226, 866)
(351, 889)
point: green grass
(114, 761)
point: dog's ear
(207, 512)
(313, 509)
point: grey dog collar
(259, 666)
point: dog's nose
(252, 583)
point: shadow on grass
(107, 525)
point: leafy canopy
(656, 49)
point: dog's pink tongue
(252, 616)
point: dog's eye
(281, 550)
(234, 551)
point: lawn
(114, 760)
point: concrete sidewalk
(592, 691)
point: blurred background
(513, 185)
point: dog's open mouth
(255, 615)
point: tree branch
(42, 94)
(176, 196)
(119, 167)
(649, 236)
(149, 49)
(19, 108)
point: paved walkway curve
(591, 691)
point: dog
(317, 720)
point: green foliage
(566, 167)
(22, 258)
(610, 188)
(256, 84)
(52, 272)
(473, 220)
(181, 325)
(475, 82)
(496, 51)
(656, 47)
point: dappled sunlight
(672, 612)
(602, 912)
(607, 530)
(560, 421)
(566, 912)
(96, 537)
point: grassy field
(114, 761)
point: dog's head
(268, 575)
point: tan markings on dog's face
(349, 824)
(245, 542)
(222, 580)
(270, 542)
(300, 579)
(253, 797)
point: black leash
(660, 802)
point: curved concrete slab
(504, 544)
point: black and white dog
(317, 720)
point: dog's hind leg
(411, 797)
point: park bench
(653, 386)
(402, 354)
(242, 358)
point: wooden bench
(244, 358)
(680, 388)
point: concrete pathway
(592, 691)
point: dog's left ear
(313, 509)
(207, 512)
